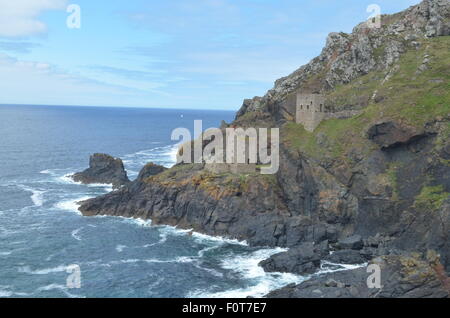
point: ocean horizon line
(117, 107)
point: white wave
(44, 271)
(166, 230)
(202, 252)
(126, 261)
(71, 205)
(329, 267)
(201, 238)
(137, 221)
(247, 265)
(37, 196)
(75, 234)
(165, 155)
(5, 253)
(120, 248)
(107, 187)
(53, 172)
(171, 230)
(60, 175)
(209, 270)
(67, 179)
(5, 293)
(260, 282)
(181, 260)
(162, 240)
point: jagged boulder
(304, 259)
(103, 169)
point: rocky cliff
(382, 176)
(347, 57)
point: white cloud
(21, 17)
(31, 82)
(37, 82)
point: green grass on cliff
(393, 179)
(406, 96)
(431, 198)
(217, 186)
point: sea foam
(261, 282)
(37, 196)
(71, 205)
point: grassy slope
(407, 97)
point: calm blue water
(41, 233)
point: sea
(48, 249)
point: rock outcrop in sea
(103, 169)
(371, 188)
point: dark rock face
(406, 276)
(150, 170)
(103, 169)
(390, 134)
(333, 285)
(354, 242)
(346, 257)
(182, 197)
(304, 259)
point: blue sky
(207, 54)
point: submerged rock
(103, 169)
